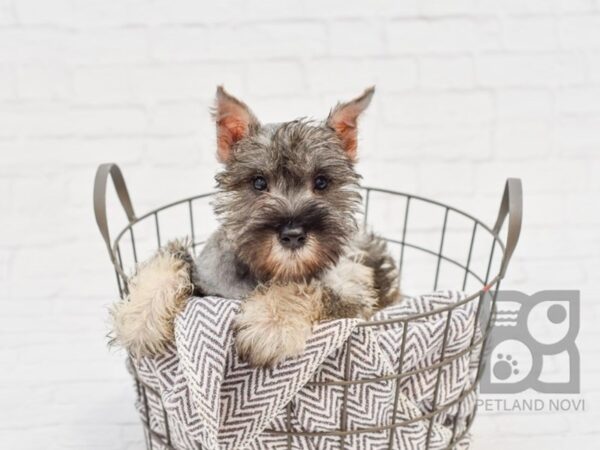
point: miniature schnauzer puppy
(288, 244)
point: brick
(454, 178)
(530, 34)
(268, 40)
(356, 38)
(188, 12)
(7, 16)
(182, 151)
(125, 45)
(177, 119)
(282, 107)
(109, 121)
(191, 179)
(29, 188)
(571, 274)
(444, 108)
(595, 168)
(30, 12)
(582, 202)
(442, 36)
(8, 83)
(395, 175)
(185, 82)
(35, 118)
(540, 176)
(103, 85)
(446, 72)
(540, 244)
(593, 63)
(530, 70)
(447, 35)
(179, 43)
(523, 139)
(578, 101)
(275, 78)
(268, 10)
(44, 82)
(357, 8)
(68, 152)
(22, 45)
(6, 198)
(516, 7)
(577, 136)
(394, 75)
(564, 6)
(545, 210)
(5, 261)
(408, 8)
(444, 8)
(471, 142)
(99, 13)
(338, 75)
(342, 77)
(580, 32)
(524, 104)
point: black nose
(292, 236)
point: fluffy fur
(143, 322)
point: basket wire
(487, 286)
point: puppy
(288, 242)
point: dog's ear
(343, 119)
(234, 121)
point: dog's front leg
(351, 291)
(143, 323)
(275, 321)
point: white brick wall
(468, 93)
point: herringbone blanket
(210, 400)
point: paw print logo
(528, 330)
(505, 367)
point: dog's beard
(270, 261)
(300, 264)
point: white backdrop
(469, 92)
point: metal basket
(476, 262)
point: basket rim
(486, 285)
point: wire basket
(437, 246)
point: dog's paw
(143, 323)
(267, 343)
(353, 287)
(275, 322)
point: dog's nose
(292, 236)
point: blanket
(205, 397)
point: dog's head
(288, 192)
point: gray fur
(220, 272)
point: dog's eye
(321, 183)
(259, 183)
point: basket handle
(511, 206)
(102, 174)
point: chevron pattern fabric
(203, 397)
